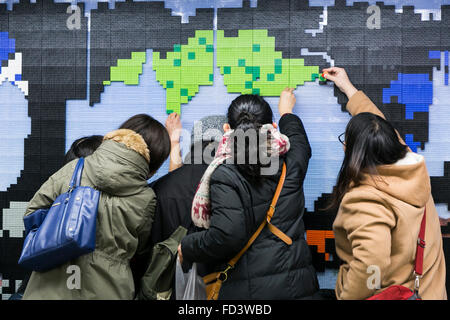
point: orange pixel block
(317, 238)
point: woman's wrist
(282, 113)
(350, 90)
(175, 156)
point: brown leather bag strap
(280, 234)
(269, 216)
(271, 210)
(214, 280)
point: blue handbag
(63, 232)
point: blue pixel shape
(7, 46)
(415, 91)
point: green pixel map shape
(185, 69)
(127, 70)
(251, 65)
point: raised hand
(173, 126)
(340, 78)
(287, 101)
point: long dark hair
(248, 112)
(155, 136)
(370, 141)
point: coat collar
(407, 180)
(119, 166)
(131, 140)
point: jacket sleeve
(360, 103)
(141, 258)
(144, 231)
(156, 232)
(300, 149)
(368, 227)
(226, 235)
(47, 193)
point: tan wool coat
(378, 223)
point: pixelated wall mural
(60, 81)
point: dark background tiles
(55, 62)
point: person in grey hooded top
(119, 168)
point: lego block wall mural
(61, 80)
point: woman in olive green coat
(119, 168)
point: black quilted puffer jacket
(270, 269)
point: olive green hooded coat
(119, 168)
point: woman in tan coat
(382, 191)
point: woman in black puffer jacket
(238, 199)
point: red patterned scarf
(278, 144)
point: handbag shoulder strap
(420, 245)
(269, 216)
(76, 177)
(418, 268)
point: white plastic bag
(189, 286)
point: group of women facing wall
(382, 191)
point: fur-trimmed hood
(120, 166)
(131, 140)
(407, 180)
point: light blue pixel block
(437, 149)
(15, 126)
